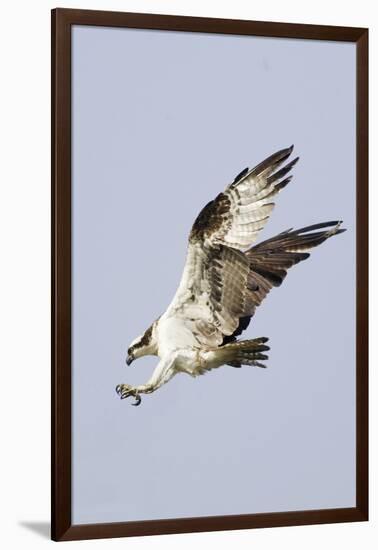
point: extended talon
(138, 400)
(125, 394)
(125, 391)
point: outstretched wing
(235, 217)
(215, 287)
(270, 260)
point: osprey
(225, 279)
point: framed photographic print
(209, 274)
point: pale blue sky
(162, 121)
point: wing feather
(211, 294)
(246, 201)
(215, 288)
(270, 260)
(224, 279)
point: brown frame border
(62, 20)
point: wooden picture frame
(62, 22)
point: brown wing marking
(270, 260)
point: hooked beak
(129, 360)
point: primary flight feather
(225, 279)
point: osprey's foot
(124, 391)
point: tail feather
(246, 352)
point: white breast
(173, 334)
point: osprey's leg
(162, 373)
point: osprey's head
(145, 344)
